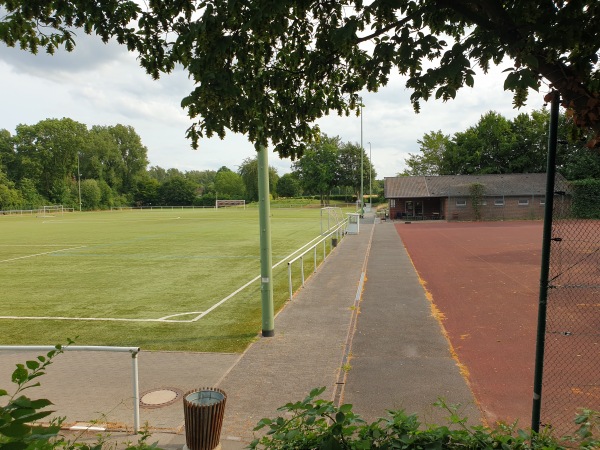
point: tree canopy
(248, 170)
(39, 166)
(498, 145)
(330, 163)
(269, 69)
(317, 169)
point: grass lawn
(143, 266)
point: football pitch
(160, 279)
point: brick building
(467, 197)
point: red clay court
(484, 279)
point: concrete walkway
(392, 355)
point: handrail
(337, 230)
(87, 348)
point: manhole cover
(160, 397)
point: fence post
(545, 266)
(136, 391)
(290, 279)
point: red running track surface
(484, 278)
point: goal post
(331, 216)
(51, 210)
(230, 203)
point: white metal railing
(158, 208)
(338, 231)
(134, 362)
(29, 212)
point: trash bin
(334, 242)
(203, 411)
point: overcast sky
(101, 84)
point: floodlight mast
(266, 259)
(362, 151)
(79, 181)
(370, 178)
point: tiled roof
(512, 184)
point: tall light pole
(361, 158)
(79, 181)
(370, 178)
(266, 258)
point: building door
(418, 208)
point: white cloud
(100, 84)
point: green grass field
(117, 276)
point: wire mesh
(571, 377)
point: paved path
(394, 353)
(400, 357)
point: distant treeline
(61, 161)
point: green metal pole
(266, 261)
(361, 159)
(545, 269)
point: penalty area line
(41, 254)
(233, 294)
(96, 319)
(216, 305)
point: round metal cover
(160, 397)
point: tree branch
(389, 27)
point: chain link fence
(571, 376)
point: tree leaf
(15, 430)
(32, 365)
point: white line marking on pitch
(110, 319)
(106, 319)
(166, 318)
(161, 319)
(216, 305)
(32, 245)
(44, 253)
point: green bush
(585, 199)
(318, 424)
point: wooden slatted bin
(203, 411)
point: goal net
(51, 211)
(230, 203)
(330, 217)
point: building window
(523, 202)
(499, 202)
(461, 202)
(392, 203)
(542, 200)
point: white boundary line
(74, 221)
(32, 245)
(216, 305)
(41, 254)
(106, 319)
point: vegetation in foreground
(309, 424)
(318, 424)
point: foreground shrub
(318, 424)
